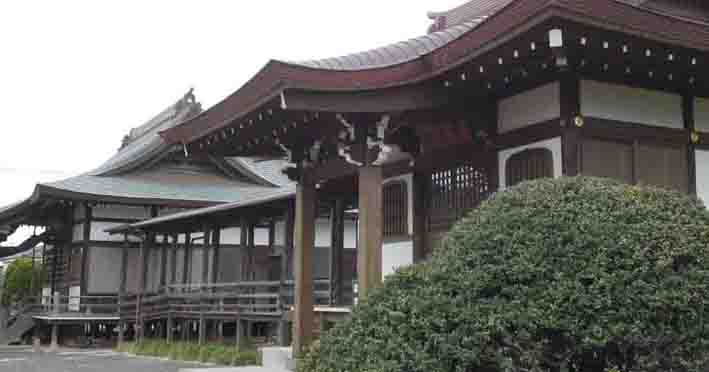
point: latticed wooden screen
(396, 209)
(529, 165)
(456, 191)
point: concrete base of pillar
(54, 346)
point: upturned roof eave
(278, 76)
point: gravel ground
(25, 360)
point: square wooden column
(216, 245)
(369, 254)
(337, 252)
(305, 213)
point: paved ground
(24, 360)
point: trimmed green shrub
(569, 275)
(220, 354)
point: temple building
(384, 151)
(498, 92)
(87, 268)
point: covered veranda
(246, 291)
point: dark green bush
(187, 351)
(575, 274)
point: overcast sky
(76, 76)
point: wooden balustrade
(257, 299)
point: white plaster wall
(634, 105)
(702, 161)
(396, 255)
(98, 232)
(154, 270)
(530, 107)
(79, 212)
(104, 275)
(701, 114)
(132, 270)
(408, 178)
(46, 295)
(120, 211)
(77, 234)
(280, 233)
(350, 234)
(323, 237)
(74, 299)
(230, 235)
(179, 262)
(261, 236)
(553, 144)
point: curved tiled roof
(471, 11)
(393, 54)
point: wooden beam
(305, 214)
(369, 254)
(337, 252)
(411, 97)
(689, 124)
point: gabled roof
(142, 144)
(147, 170)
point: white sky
(76, 76)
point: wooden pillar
(420, 182)
(242, 332)
(570, 101)
(83, 273)
(36, 336)
(122, 289)
(369, 255)
(305, 213)
(140, 326)
(170, 327)
(186, 262)
(284, 327)
(163, 261)
(288, 231)
(245, 251)
(689, 124)
(206, 246)
(337, 252)
(202, 329)
(216, 246)
(54, 345)
(173, 264)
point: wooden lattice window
(456, 191)
(396, 208)
(529, 165)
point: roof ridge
(187, 101)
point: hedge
(227, 355)
(574, 274)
